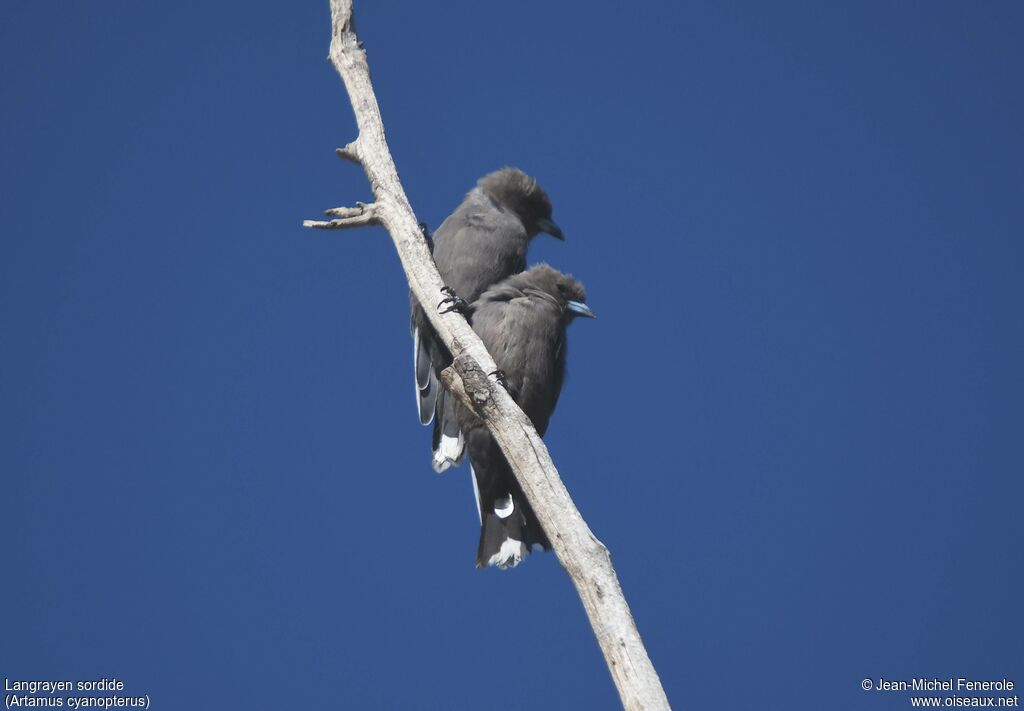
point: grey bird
(478, 245)
(522, 321)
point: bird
(522, 321)
(482, 242)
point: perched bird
(522, 321)
(478, 245)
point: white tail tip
(449, 452)
(509, 555)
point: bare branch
(350, 152)
(584, 557)
(467, 382)
(359, 216)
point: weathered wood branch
(359, 216)
(584, 557)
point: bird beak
(580, 309)
(550, 227)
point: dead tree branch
(584, 557)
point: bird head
(516, 191)
(565, 289)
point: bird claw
(500, 376)
(454, 301)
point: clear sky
(796, 423)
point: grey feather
(427, 385)
(522, 321)
(482, 242)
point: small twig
(350, 152)
(359, 216)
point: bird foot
(454, 302)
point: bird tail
(507, 533)
(449, 444)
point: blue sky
(796, 422)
